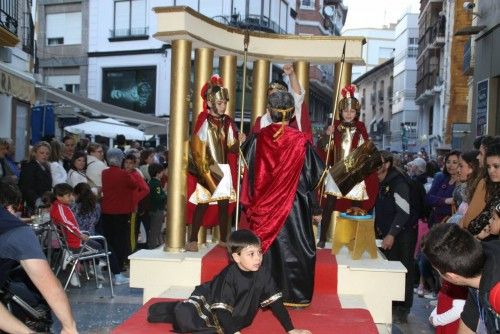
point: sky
(377, 13)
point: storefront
(17, 95)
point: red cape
(277, 167)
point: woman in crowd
(59, 174)
(76, 173)
(481, 194)
(440, 196)
(469, 175)
(492, 188)
(35, 178)
(146, 159)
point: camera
(469, 5)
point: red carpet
(325, 314)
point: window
(307, 4)
(412, 52)
(129, 18)
(69, 83)
(413, 41)
(284, 16)
(72, 88)
(64, 28)
(55, 41)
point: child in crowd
(61, 214)
(231, 300)
(87, 209)
(157, 198)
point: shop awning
(148, 123)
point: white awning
(107, 127)
(96, 108)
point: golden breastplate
(346, 144)
(216, 143)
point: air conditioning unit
(5, 54)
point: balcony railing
(128, 33)
(9, 15)
(252, 22)
(427, 82)
(29, 36)
(433, 37)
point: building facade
(485, 38)
(127, 66)
(378, 49)
(431, 72)
(442, 84)
(375, 91)
(17, 65)
(403, 124)
(62, 44)
(320, 17)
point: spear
(246, 40)
(334, 114)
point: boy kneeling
(231, 300)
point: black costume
(291, 254)
(226, 304)
(34, 181)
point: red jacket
(121, 191)
(61, 214)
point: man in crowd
(396, 226)
(19, 243)
(463, 260)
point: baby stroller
(22, 298)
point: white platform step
(352, 301)
(177, 292)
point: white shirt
(75, 177)
(58, 172)
(94, 170)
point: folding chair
(86, 252)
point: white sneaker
(120, 279)
(75, 280)
(66, 259)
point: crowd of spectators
(462, 190)
(94, 191)
(121, 193)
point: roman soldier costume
(347, 137)
(213, 159)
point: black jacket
(34, 181)
(392, 209)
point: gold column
(344, 81)
(301, 69)
(203, 67)
(178, 145)
(260, 82)
(227, 65)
